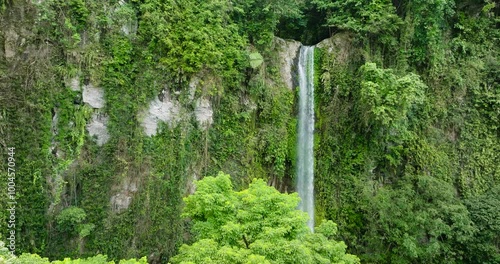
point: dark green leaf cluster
(366, 17)
(408, 132)
(258, 19)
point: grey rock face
(159, 111)
(203, 112)
(122, 200)
(74, 84)
(94, 96)
(341, 45)
(11, 38)
(288, 51)
(98, 127)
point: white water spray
(305, 156)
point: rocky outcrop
(10, 43)
(288, 52)
(98, 128)
(340, 44)
(203, 112)
(171, 107)
(122, 200)
(166, 110)
(94, 96)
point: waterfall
(305, 157)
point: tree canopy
(256, 225)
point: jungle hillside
(166, 131)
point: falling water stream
(305, 158)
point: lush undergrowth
(409, 140)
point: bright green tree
(256, 225)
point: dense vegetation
(27, 258)
(256, 225)
(407, 136)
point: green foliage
(255, 60)
(190, 36)
(309, 28)
(63, 21)
(387, 98)
(275, 135)
(426, 22)
(70, 218)
(267, 134)
(79, 12)
(412, 143)
(377, 18)
(357, 16)
(475, 76)
(389, 104)
(28, 90)
(258, 19)
(407, 130)
(420, 220)
(485, 212)
(173, 42)
(5, 254)
(209, 251)
(256, 225)
(27, 258)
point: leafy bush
(71, 220)
(256, 225)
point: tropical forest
(249, 131)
